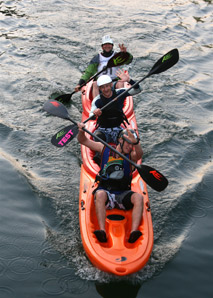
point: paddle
(65, 135)
(117, 60)
(151, 176)
(61, 139)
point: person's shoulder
(96, 98)
(95, 59)
(95, 101)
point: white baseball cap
(106, 39)
(104, 79)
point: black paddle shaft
(164, 63)
(117, 60)
(151, 176)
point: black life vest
(112, 116)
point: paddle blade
(64, 98)
(118, 59)
(165, 62)
(56, 108)
(64, 136)
(152, 177)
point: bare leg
(100, 200)
(137, 201)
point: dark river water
(44, 47)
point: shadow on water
(121, 289)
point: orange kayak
(117, 256)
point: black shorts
(119, 201)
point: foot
(100, 235)
(134, 236)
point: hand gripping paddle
(151, 176)
(117, 60)
(64, 136)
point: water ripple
(45, 46)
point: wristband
(136, 143)
(131, 82)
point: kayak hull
(116, 256)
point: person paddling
(99, 61)
(110, 119)
(114, 180)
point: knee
(137, 199)
(100, 197)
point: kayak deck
(117, 256)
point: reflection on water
(118, 289)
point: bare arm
(93, 106)
(138, 152)
(95, 146)
(124, 77)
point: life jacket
(115, 173)
(110, 71)
(112, 116)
